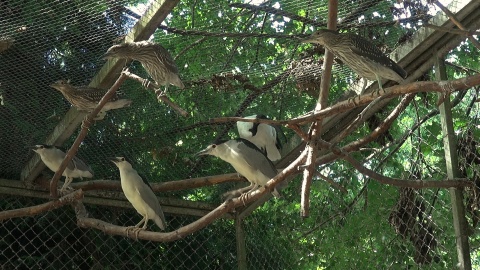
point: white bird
(246, 159)
(264, 136)
(53, 157)
(140, 194)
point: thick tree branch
(359, 101)
(316, 127)
(165, 186)
(41, 208)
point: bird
(264, 136)
(155, 59)
(86, 98)
(53, 157)
(246, 159)
(140, 194)
(360, 55)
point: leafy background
(65, 40)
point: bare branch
(331, 182)
(161, 96)
(359, 101)
(162, 187)
(41, 208)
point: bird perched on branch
(155, 59)
(86, 98)
(360, 55)
(247, 160)
(140, 194)
(264, 136)
(53, 157)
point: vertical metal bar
(451, 159)
(241, 249)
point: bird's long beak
(114, 159)
(106, 56)
(33, 147)
(203, 152)
(306, 40)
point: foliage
(345, 231)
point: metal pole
(241, 249)
(451, 159)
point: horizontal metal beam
(109, 199)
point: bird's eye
(41, 147)
(214, 145)
(122, 159)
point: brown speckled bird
(156, 60)
(86, 98)
(360, 55)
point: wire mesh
(235, 59)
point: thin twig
(161, 97)
(332, 183)
(410, 183)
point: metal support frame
(240, 240)
(451, 160)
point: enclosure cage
(370, 179)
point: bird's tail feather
(160, 222)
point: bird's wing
(146, 193)
(79, 164)
(94, 94)
(366, 49)
(256, 158)
(164, 56)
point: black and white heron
(86, 98)
(246, 159)
(264, 136)
(53, 157)
(155, 59)
(140, 194)
(361, 55)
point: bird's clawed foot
(66, 188)
(135, 230)
(86, 123)
(159, 93)
(244, 197)
(125, 71)
(146, 83)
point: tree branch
(162, 187)
(161, 96)
(362, 100)
(41, 208)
